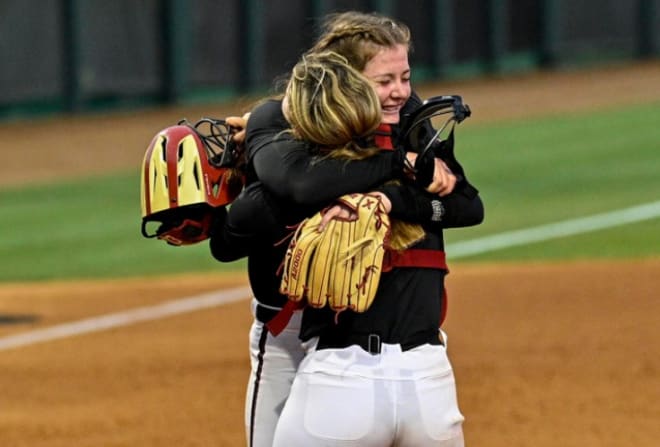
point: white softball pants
(274, 362)
(348, 397)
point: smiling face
(390, 71)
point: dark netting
(121, 51)
(523, 33)
(31, 51)
(420, 19)
(214, 43)
(591, 29)
(655, 24)
(288, 32)
(470, 31)
(346, 5)
(122, 47)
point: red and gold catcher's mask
(185, 176)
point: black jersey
(408, 307)
(287, 182)
(300, 183)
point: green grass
(536, 172)
(530, 173)
(86, 229)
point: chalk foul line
(213, 299)
(125, 318)
(554, 230)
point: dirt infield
(545, 354)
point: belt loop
(373, 343)
(441, 338)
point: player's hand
(443, 180)
(338, 211)
(342, 212)
(239, 123)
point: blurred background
(81, 55)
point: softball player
(256, 220)
(255, 223)
(383, 377)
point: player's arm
(289, 169)
(462, 208)
(252, 221)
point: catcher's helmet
(181, 184)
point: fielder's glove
(341, 265)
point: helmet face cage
(182, 168)
(217, 138)
(438, 105)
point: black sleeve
(253, 220)
(462, 208)
(288, 168)
(224, 247)
(266, 121)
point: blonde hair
(359, 36)
(331, 104)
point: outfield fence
(81, 55)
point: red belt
(415, 257)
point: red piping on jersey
(420, 258)
(383, 137)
